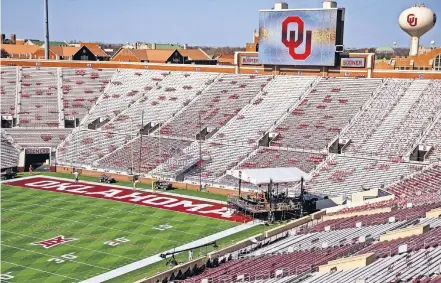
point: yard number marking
(116, 242)
(63, 258)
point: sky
(369, 23)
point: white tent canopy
(262, 176)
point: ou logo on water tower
(292, 43)
(412, 20)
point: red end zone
(150, 199)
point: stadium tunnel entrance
(39, 158)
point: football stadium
(294, 160)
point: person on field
(134, 184)
(76, 176)
(30, 169)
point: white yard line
(90, 224)
(156, 258)
(116, 186)
(77, 247)
(98, 216)
(27, 267)
(63, 197)
(53, 256)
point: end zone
(171, 202)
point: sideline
(117, 186)
(156, 258)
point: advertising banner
(353, 62)
(249, 60)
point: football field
(49, 236)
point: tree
(4, 54)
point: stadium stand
(84, 147)
(274, 100)
(8, 88)
(322, 114)
(38, 103)
(38, 137)
(383, 120)
(155, 150)
(125, 87)
(344, 175)
(81, 88)
(163, 101)
(433, 139)
(9, 151)
(217, 105)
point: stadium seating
(38, 98)
(154, 151)
(262, 113)
(9, 152)
(376, 112)
(372, 219)
(421, 265)
(81, 89)
(163, 101)
(125, 87)
(8, 90)
(433, 138)
(217, 105)
(318, 240)
(38, 137)
(396, 118)
(344, 175)
(265, 267)
(321, 115)
(84, 147)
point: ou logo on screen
(292, 43)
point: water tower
(416, 21)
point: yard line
(100, 216)
(27, 267)
(77, 247)
(63, 199)
(49, 228)
(48, 255)
(90, 224)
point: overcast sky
(197, 22)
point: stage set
(272, 196)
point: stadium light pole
(140, 145)
(200, 152)
(46, 23)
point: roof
(158, 56)
(141, 54)
(19, 49)
(194, 54)
(264, 175)
(226, 59)
(384, 49)
(95, 49)
(165, 46)
(65, 51)
(151, 55)
(51, 43)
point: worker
(76, 176)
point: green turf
(128, 184)
(161, 266)
(32, 215)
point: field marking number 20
(163, 227)
(117, 242)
